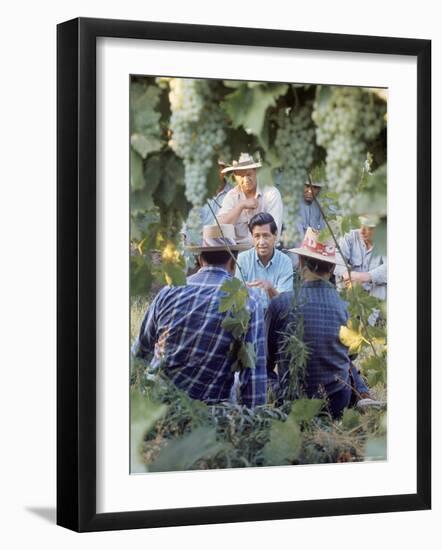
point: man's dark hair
(318, 266)
(220, 257)
(263, 218)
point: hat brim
(233, 247)
(240, 168)
(316, 256)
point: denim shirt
(309, 216)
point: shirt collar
(258, 192)
(258, 260)
(214, 268)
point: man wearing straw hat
(309, 214)
(248, 198)
(367, 268)
(183, 328)
(319, 308)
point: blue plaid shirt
(182, 327)
(323, 313)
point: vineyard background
(179, 130)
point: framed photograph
(229, 200)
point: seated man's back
(183, 328)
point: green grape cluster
(198, 132)
(295, 143)
(347, 121)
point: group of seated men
(182, 329)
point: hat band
(328, 250)
(218, 241)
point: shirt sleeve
(379, 274)
(206, 216)
(240, 263)
(144, 344)
(274, 206)
(229, 202)
(345, 246)
(285, 280)
(253, 382)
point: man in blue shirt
(367, 268)
(263, 266)
(183, 329)
(322, 312)
(309, 213)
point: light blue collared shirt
(279, 271)
(363, 260)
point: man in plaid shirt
(182, 328)
(322, 313)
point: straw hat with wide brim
(245, 162)
(312, 248)
(216, 239)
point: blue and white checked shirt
(279, 271)
(323, 313)
(182, 327)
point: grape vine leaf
(350, 419)
(233, 325)
(144, 145)
(304, 410)
(183, 453)
(285, 442)
(174, 274)
(236, 295)
(136, 171)
(144, 414)
(247, 106)
(145, 119)
(140, 275)
(247, 355)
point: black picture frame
(76, 273)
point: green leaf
(145, 144)
(233, 325)
(174, 274)
(232, 289)
(247, 355)
(183, 453)
(285, 442)
(136, 171)
(247, 106)
(351, 419)
(144, 413)
(145, 118)
(140, 275)
(171, 178)
(304, 410)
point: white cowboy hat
(218, 238)
(245, 162)
(312, 248)
(369, 220)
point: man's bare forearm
(231, 216)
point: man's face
(263, 240)
(310, 192)
(246, 179)
(367, 234)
